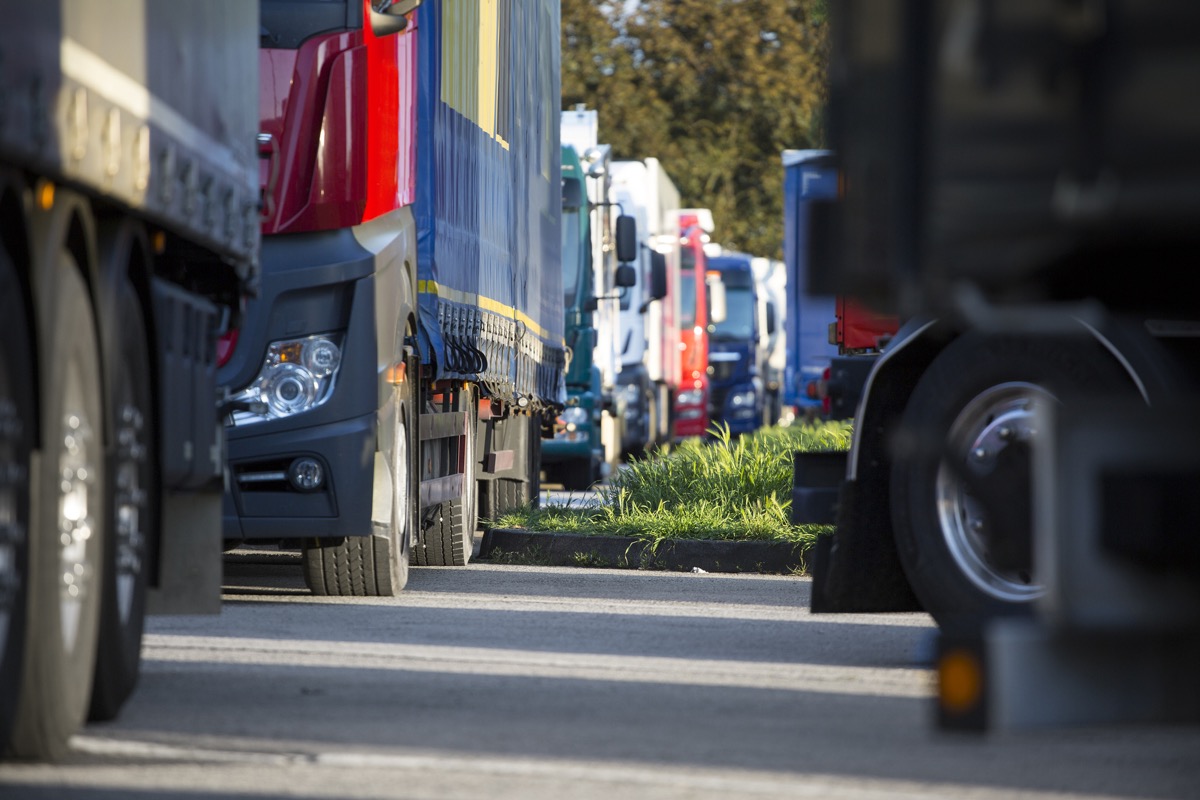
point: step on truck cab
(396, 373)
(128, 241)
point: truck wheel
(374, 565)
(132, 517)
(67, 535)
(16, 415)
(961, 486)
(450, 538)
(576, 476)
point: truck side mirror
(572, 195)
(717, 311)
(626, 276)
(658, 275)
(627, 246)
(387, 16)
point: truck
(576, 455)
(833, 339)
(601, 297)
(1021, 190)
(395, 375)
(128, 241)
(736, 390)
(649, 334)
(770, 278)
(695, 316)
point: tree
(716, 89)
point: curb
(680, 555)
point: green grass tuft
(725, 488)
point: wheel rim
(131, 507)
(77, 471)
(1002, 415)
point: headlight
(738, 399)
(574, 416)
(690, 397)
(297, 375)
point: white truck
(650, 310)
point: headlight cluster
(739, 399)
(569, 423)
(690, 397)
(297, 375)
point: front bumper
(259, 507)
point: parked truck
(1026, 444)
(575, 457)
(649, 333)
(586, 442)
(695, 316)
(736, 390)
(128, 240)
(603, 296)
(395, 374)
(770, 279)
(833, 339)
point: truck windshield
(285, 24)
(739, 316)
(572, 257)
(687, 299)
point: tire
(133, 515)
(962, 511)
(67, 535)
(374, 565)
(450, 538)
(16, 427)
(577, 475)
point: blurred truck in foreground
(128, 240)
(1022, 187)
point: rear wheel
(67, 541)
(374, 565)
(16, 416)
(961, 489)
(134, 514)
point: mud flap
(856, 570)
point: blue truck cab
(735, 377)
(809, 177)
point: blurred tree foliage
(715, 89)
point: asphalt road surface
(495, 681)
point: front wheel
(17, 400)
(374, 565)
(961, 485)
(67, 537)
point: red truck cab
(691, 401)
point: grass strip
(723, 488)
